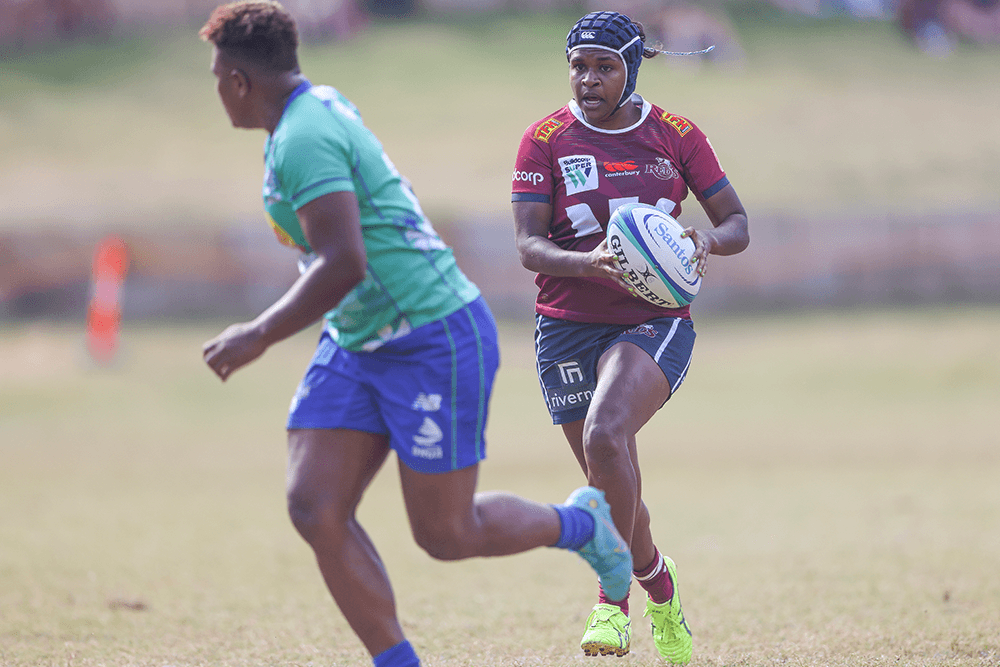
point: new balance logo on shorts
(427, 402)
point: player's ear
(241, 81)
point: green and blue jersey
(320, 146)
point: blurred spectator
(936, 25)
(680, 25)
(25, 22)
(859, 9)
(683, 26)
(977, 21)
(390, 8)
(326, 19)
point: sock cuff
(400, 655)
(576, 527)
(658, 567)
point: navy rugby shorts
(428, 391)
(567, 354)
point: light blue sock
(400, 655)
(576, 529)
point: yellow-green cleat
(671, 633)
(609, 632)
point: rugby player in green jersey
(407, 356)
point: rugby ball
(655, 257)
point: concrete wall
(792, 262)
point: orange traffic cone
(104, 312)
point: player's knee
(604, 444)
(309, 514)
(442, 542)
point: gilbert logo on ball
(655, 257)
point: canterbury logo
(628, 165)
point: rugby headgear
(613, 32)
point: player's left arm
(730, 232)
(332, 227)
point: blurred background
(834, 454)
(862, 135)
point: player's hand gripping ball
(655, 257)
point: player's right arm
(533, 202)
(539, 254)
(332, 227)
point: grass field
(823, 116)
(827, 483)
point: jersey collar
(636, 99)
(299, 89)
(294, 95)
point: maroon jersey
(585, 173)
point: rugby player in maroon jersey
(608, 360)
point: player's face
(230, 84)
(598, 78)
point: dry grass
(826, 483)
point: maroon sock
(604, 599)
(655, 580)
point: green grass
(835, 475)
(823, 116)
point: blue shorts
(428, 391)
(567, 354)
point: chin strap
(685, 53)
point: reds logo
(642, 330)
(663, 170)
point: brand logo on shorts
(570, 372)
(575, 390)
(642, 330)
(427, 439)
(579, 172)
(427, 402)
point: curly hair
(260, 32)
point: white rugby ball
(655, 257)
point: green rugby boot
(609, 632)
(671, 633)
(606, 551)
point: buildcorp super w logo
(579, 173)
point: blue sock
(577, 527)
(400, 655)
